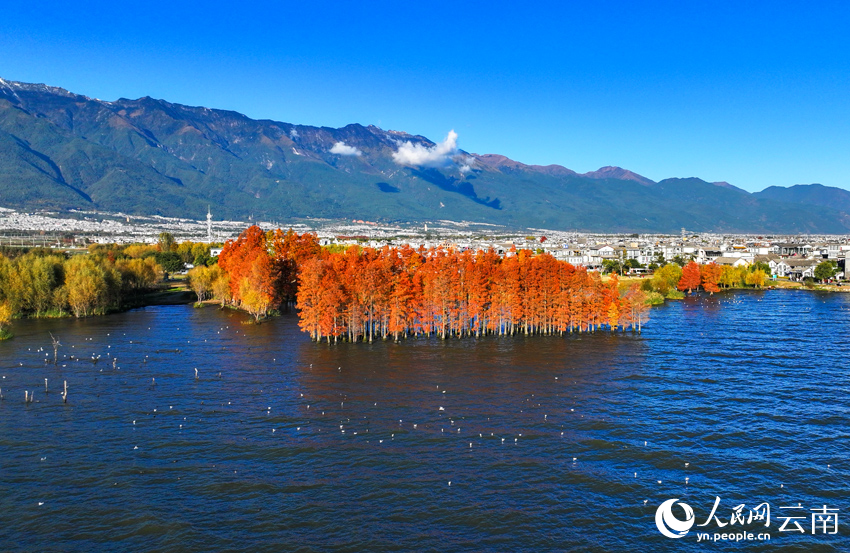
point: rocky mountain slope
(60, 150)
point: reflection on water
(549, 443)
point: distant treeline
(355, 293)
(43, 282)
(672, 280)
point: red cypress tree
(690, 277)
(710, 277)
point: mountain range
(60, 150)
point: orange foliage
(395, 292)
(710, 277)
(263, 267)
(364, 293)
(690, 277)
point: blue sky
(753, 93)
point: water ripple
(550, 444)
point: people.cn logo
(667, 522)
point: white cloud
(342, 149)
(417, 155)
(466, 165)
(293, 134)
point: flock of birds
(313, 418)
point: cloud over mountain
(60, 150)
(436, 156)
(341, 148)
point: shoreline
(178, 293)
(165, 296)
(774, 285)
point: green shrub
(654, 298)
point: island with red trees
(366, 293)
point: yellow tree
(256, 289)
(85, 283)
(757, 278)
(138, 274)
(666, 278)
(5, 320)
(5, 277)
(728, 276)
(221, 285)
(201, 281)
(254, 301)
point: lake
(494, 444)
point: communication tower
(209, 226)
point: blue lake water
(550, 443)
